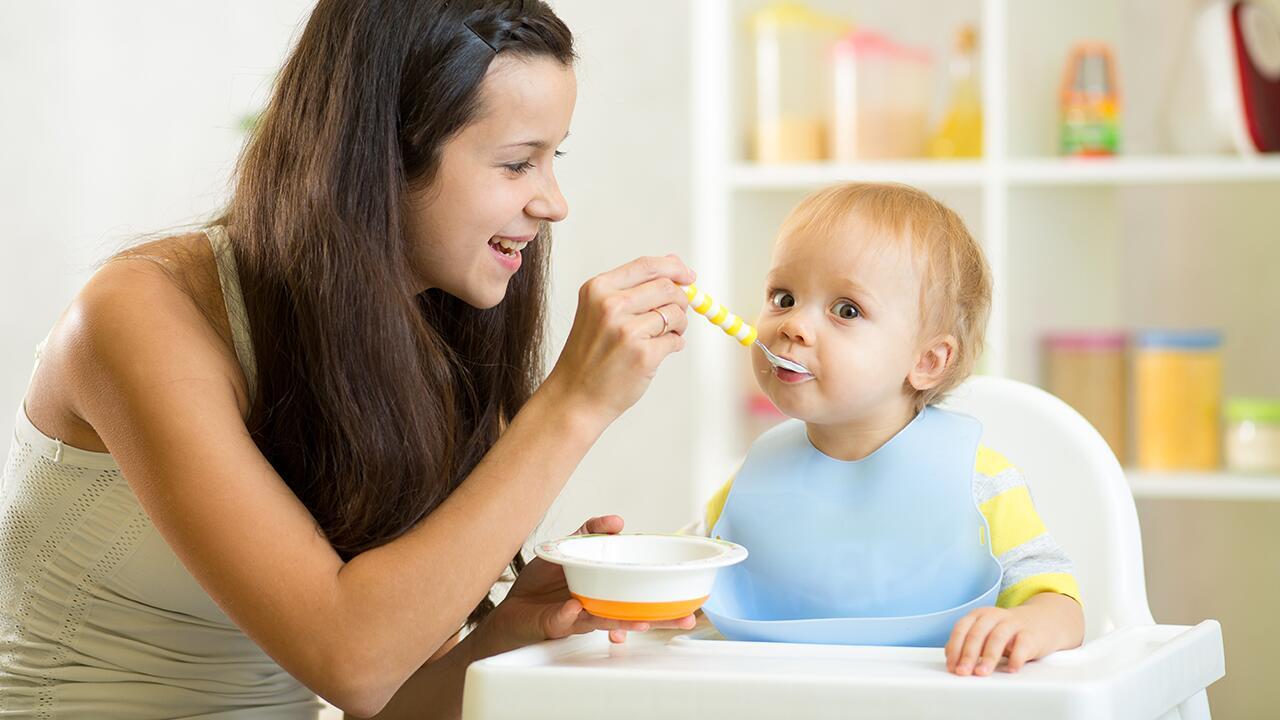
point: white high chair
(1129, 668)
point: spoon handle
(719, 315)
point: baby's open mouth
(791, 376)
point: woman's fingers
(664, 345)
(657, 293)
(642, 270)
(617, 340)
(667, 319)
(685, 623)
(567, 615)
(609, 524)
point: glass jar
(1253, 435)
(1087, 371)
(791, 44)
(880, 93)
(1178, 399)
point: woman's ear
(931, 366)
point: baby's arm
(1044, 624)
(1038, 611)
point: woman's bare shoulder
(158, 303)
(161, 285)
(182, 263)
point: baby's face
(847, 307)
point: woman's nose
(549, 204)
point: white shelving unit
(1072, 243)
(1203, 486)
(1152, 170)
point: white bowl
(641, 576)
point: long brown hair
(374, 403)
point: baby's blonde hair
(955, 281)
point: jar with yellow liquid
(1178, 399)
(960, 133)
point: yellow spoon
(735, 327)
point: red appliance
(1227, 95)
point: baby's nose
(794, 331)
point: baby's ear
(931, 366)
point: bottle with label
(1090, 102)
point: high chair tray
(1131, 674)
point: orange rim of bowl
(639, 611)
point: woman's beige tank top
(98, 618)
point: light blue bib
(887, 550)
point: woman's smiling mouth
(507, 250)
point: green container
(1253, 435)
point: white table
(1136, 673)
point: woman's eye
(782, 299)
(846, 310)
(521, 168)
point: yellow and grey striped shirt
(1032, 560)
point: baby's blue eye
(782, 299)
(846, 310)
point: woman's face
(496, 183)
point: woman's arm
(427, 688)
(354, 631)
(537, 607)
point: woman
(292, 453)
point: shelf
(1203, 485)
(1163, 170)
(1118, 238)
(931, 173)
(1142, 170)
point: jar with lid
(791, 43)
(1087, 370)
(880, 92)
(1253, 435)
(1178, 399)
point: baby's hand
(985, 635)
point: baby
(874, 517)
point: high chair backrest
(1078, 487)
